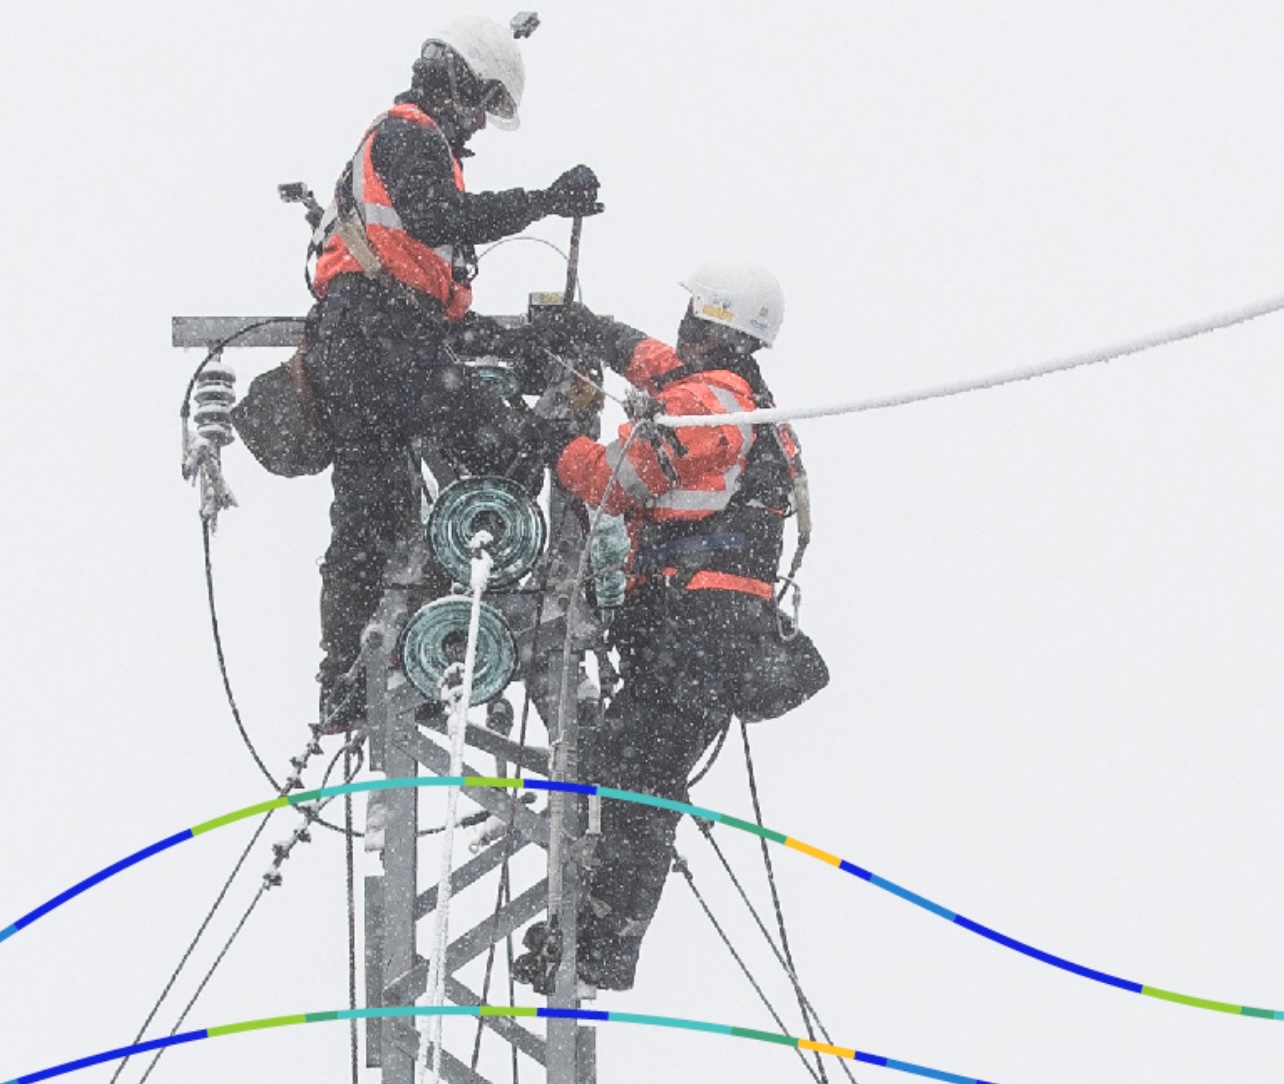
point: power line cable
(187, 954)
(222, 661)
(707, 831)
(680, 865)
(790, 969)
(1011, 376)
(270, 879)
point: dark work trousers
(681, 657)
(383, 376)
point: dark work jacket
(417, 166)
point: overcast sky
(1052, 611)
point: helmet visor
(497, 102)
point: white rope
(460, 696)
(960, 387)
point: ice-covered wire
(459, 697)
(1011, 376)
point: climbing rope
(459, 697)
(707, 831)
(1011, 376)
(504, 889)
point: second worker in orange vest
(699, 637)
(384, 358)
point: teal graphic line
(587, 1015)
(306, 796)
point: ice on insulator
(487, 833)
(609, 550)
(214, 397)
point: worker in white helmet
(699, 637)
(395, 262)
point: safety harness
(363, 232)
(737, 547)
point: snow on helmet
(490, 52)
(742, 296)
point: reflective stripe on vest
(626, 474)
(708, 580)
(425, 268)
(701, 502)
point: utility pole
(402, 727)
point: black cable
(681, 866)
(707, 830)
(222, 661)
(266, 883)
(217, 348)
(227, 681)
(187, 955)
(775, 900)
(208, 975)
(713, 756)
(209, 577)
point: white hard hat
(490, 52)
(742, 296)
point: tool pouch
(784, 671)
(280, 424)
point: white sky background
(1051, 611)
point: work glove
(574, 326)
(573, 194)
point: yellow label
(546, 299)
(716, 313)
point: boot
(538, 967)
(606, 955)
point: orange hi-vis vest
(425, 268)
(700, 482)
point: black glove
(573, 193)
(555, 434)
(574, 325)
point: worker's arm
(621, 348)
(697, 459)
(415, 164)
